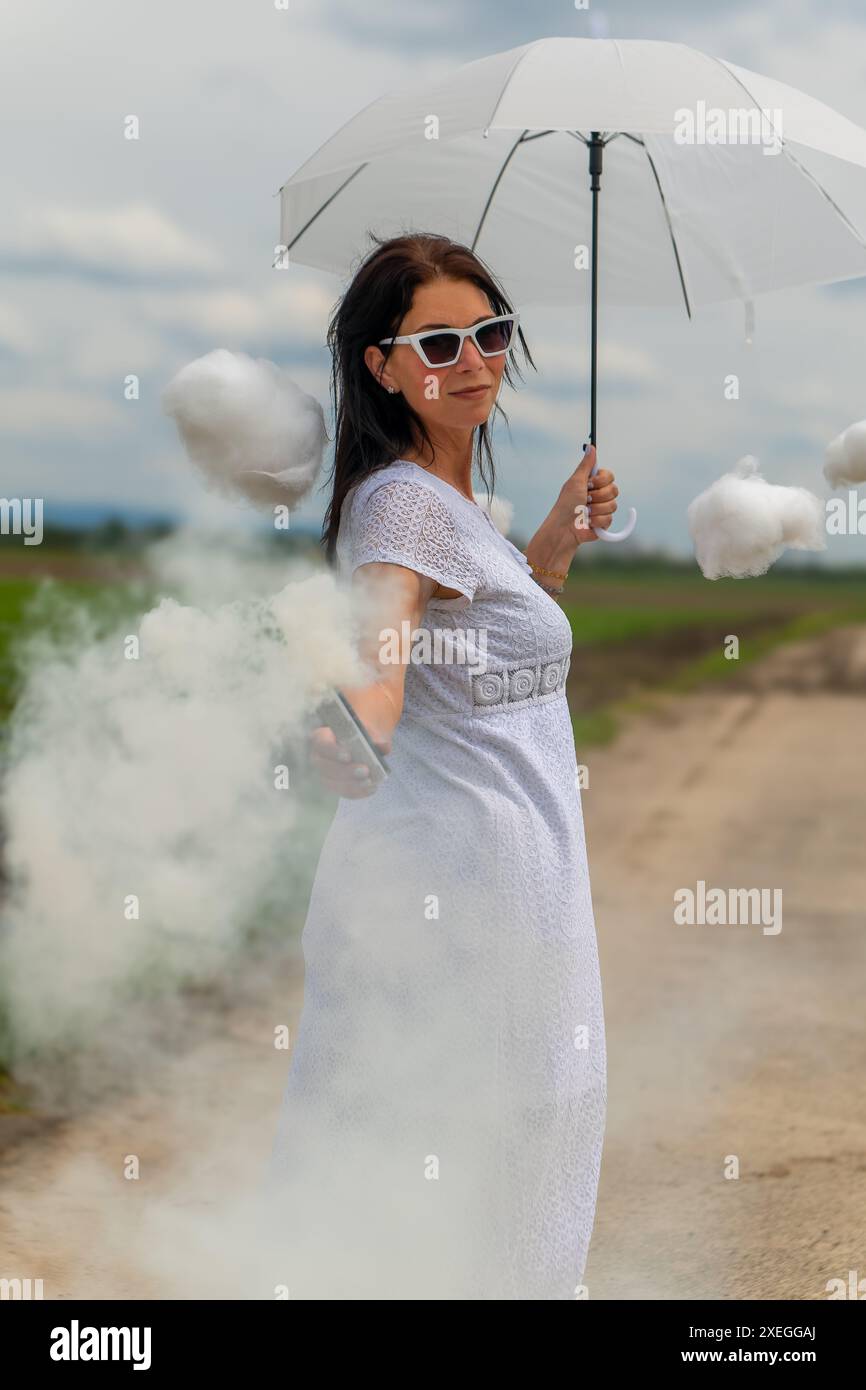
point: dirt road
(725, 1042)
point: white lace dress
(442, 1126)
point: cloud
(114, 344)
(17, 333)
(133, 240)
(554, 402)
(49, 411)
(292, 308)
(391, 24)
(214, 165)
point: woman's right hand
(337, 772)
(395, 595)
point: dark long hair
(373, 427)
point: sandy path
(722, 1040)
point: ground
(723, 1042)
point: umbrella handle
(605, 534)
(612, 536)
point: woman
(442, 1126)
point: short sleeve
(405, 523)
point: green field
(640, 631)
(30, 605)
(637, 627)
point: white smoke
(741, 524)
(149, 798)
(151, 772)
(153, 822)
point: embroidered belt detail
(520, 685)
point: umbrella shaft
(596, 149)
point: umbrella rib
(613, 136)
(667, 217)
(525, 139)
(514, 66)
(498, 180)
(802, 168)
(576, 135)
(327, 203)
(818, 184)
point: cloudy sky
(122, 257)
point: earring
(391, 390)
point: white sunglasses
(442, 347)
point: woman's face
(434, 392)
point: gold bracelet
(551, 573)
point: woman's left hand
(585, 503)
(584, 506)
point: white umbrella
(719, 183)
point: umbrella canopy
(507, 175)
(496, 156)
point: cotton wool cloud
(845, 459)
(248, 428)
(741, 524)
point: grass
(601, 726)
(608, 607)
(643, 631)
(638, 632)
(15, 596)
(598, 728)
(596, 624)
(714, 666)
(26, 607)
(612, 610)
(12, 1099)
